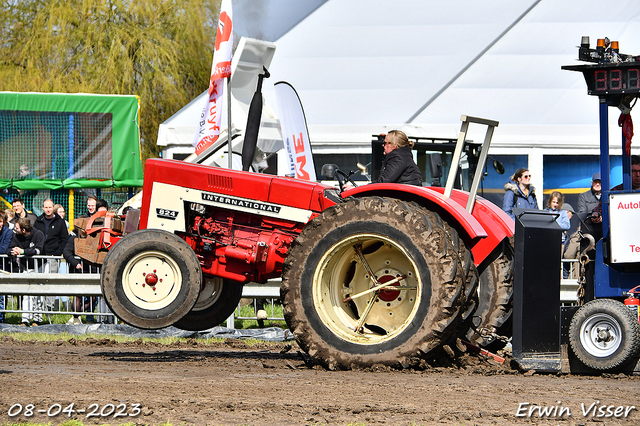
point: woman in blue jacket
(6, 234)
(519, 193)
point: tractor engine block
(238, 246)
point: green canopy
(59, 140)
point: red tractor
(381, 273)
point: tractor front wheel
(151, 278)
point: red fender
(483, 230)
(495, 221)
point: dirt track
(232, 384)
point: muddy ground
(231, 383)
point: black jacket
(56, 234)
(70, 256)
(398, 167)
(32, 218)
(32, 246)
(587, 201)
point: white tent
(368, 64)
(362, 67)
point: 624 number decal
(166, 213)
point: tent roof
(371, 64)
(363, 67)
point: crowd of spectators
(24, 235)
(519, 193)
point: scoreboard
(609, 75)
(610, 78)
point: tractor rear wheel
(495, 300)
(604, 334)
(151, 278)
(216, 302)
(469, 271)
(333, 287)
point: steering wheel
(343, 178)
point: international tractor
(376, 274)
(388, 273)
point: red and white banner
(294, 132)
(209, 125)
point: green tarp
(56, 140)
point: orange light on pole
(614, 46)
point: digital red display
(620, 78)
(616, 80)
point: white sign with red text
(209, 124)
(294, 132)
(624, 211)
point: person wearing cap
(589, 200)
(569, 208)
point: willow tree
(159, 50)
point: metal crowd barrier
(569, 285)
(59, 287)
(269, 291)
(47, 280)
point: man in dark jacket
(28, 242)
(398, 165)
(587, 201)
(54, 230)
(596, 213)
(55, 237)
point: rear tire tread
(447, 281)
